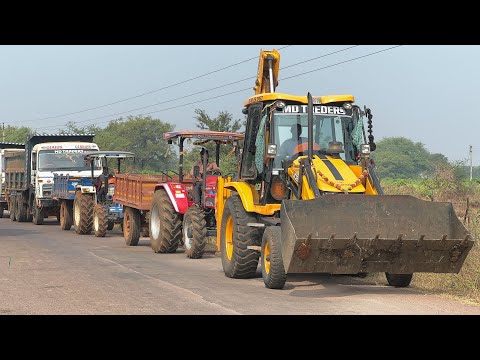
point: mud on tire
(165, 225)
(194, 232)
(238, 261)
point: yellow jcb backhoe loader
(307, 199)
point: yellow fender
(249, 196)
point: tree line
(395, 157)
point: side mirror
(196, 171)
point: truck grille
(47, 190)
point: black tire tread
(244, 262)
(100, 212)
(276, 278)
(86, 203)
(132, 237)
(171, 231)
(399, 280)
(199, 232)
(66, 216)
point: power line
(203, 91)
(148, 92)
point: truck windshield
(73, 160)
(290, 130)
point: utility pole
(471, 163)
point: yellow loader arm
(267, 74)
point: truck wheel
(12, 209)
(83, 213)
(131, 226)
(38, 215)
(194, 232)
(110, 225)
(66, 215)
(237, 260)
(399, 280)
(165, 224)
(1, 210)
(273, 271)
(21, 210)
(100, 221)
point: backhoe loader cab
(307, 198)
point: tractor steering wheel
(302, 148)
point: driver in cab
(288, 146)
(211, 167)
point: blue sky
(425, 93)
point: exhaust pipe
(310, 126)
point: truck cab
(65, 158)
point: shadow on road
(307, 285)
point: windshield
(73, 160)
(290, 130)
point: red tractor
(166, 203)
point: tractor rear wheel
(235, 236)
(399, 280)
(83, 213)
(66, 215)
(131, 226)
(273, 271)
(100, 220)
(194, 232)
(165, 224)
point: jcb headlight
(365, 150)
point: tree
(223, 122)
(16, 134)
(401, 158)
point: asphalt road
(44, 270)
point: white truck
(9, 148)
(29, 174)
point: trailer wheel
(83, 213)
(273, 271)
(21, 210)
(38, 215)
(2, 208)
(66, 215)
(237, 260)
(194, 232)
(399, 280)
(12, 209)
(165, 224)
(131, 226)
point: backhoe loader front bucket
(349, 234)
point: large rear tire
(83, 213)
(273, 271)
(131, 226)
(165, 224)
(100, 221)
(66, 215)
(38, 215)
(399, 280)
(237, 260)
(194, 232)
